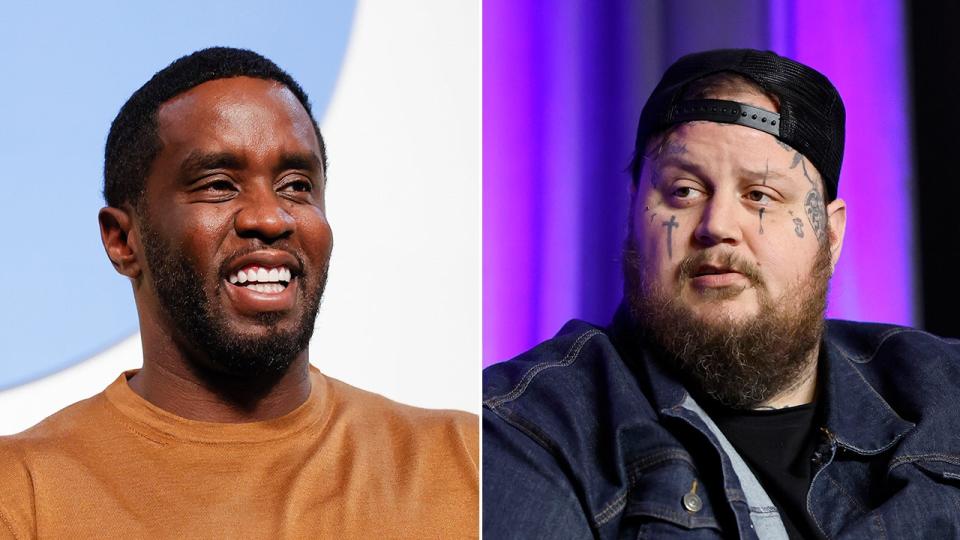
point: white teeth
(254, 274)
(271, 288)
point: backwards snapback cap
(810, 119)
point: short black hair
(133, 142)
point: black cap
(810, 119)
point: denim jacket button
(692, 502)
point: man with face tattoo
(215, 173)
(719, 403)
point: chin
(711, 309)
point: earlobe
(120, 240)
(837, 215)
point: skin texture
(257, 203)
(734, 190)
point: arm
(526, 494)
(16, 495)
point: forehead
(235, 114)
(726, 148)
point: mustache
(724, 259)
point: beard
(738, 363)
(200, 323)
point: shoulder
(568, 396)
(885, 348)
(865, 341)
(385, 420)
(20, 453)
(917, 372)
(566, 426)
(576, 360)
(69, 424)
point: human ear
(120, 241)
(837, 215)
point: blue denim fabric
(586, 437)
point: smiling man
(215, 174)
(719, 403)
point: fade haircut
(134, 143)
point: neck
(207, 397)
(172, 379)
(802, 391)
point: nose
(719, 223)
(263, 215)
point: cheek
(782, 258)
(198, 235)
(661, 239)
(316, 231)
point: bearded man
(719, 403)
(215, 173)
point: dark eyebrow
(198, 161)
(307, 161)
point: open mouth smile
(263, 281)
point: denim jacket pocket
(667, 500)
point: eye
(216, 189)
(218, 185)
(297, 184)
(758, 196)
(685, 193)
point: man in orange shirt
(214, 174)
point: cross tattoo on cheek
(670, 225)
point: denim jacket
(586, 436)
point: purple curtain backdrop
(563, 84)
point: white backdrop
(401, 315)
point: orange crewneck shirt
(345, 464)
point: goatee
(739, 363)
(201, 325)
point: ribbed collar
(163, 427)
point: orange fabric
(345, 464)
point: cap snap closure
(691, 501)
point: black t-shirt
(778, 446)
